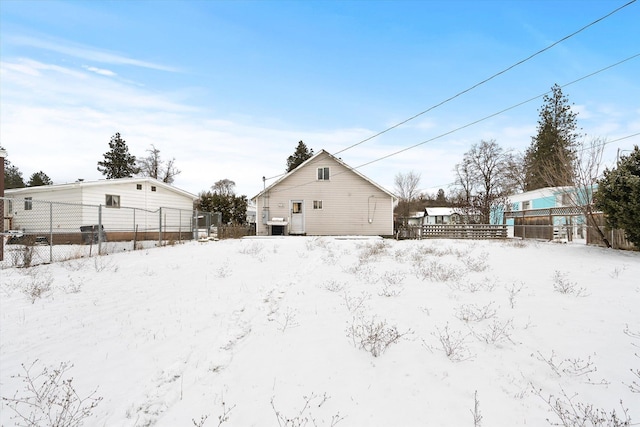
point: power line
(602, 144)
(495, 114)
(483, 119)
(487, 79)
(474, 86)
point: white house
(124, 205)
(324, 196)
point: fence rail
(464, 231)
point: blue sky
(228, 88)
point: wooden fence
(454, 231)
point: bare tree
(224, 187)
(152, 166)
(586, 165)
(406, 188)
(484, 179)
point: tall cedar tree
(554, 145)
(39, 178)
(12, 176)
(618, 196)
(301, 154)
(118, 162)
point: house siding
(77, 204)
(350, 203)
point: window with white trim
(138, 186)
(323, 174)
(317, 204)
(153, 188)
(28, 203)
(526, 205)
(112, 201)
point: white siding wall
(351, 205)
(65, 218)
(71, 216)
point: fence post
(50, 231)
(99, 230)
(160, 227)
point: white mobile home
(119, 205)
(324, 197)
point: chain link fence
(36, 231)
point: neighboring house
(324, 197)
(441, 216)
(445, 215)
(120, 205)
(545, 213)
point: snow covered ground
(347, 332)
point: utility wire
(487, 79)
(495, 114)
(602, 144)
(479, 120)
(474, 86)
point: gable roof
(314, 158)
(101, 182)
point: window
(28, 203)
(526, 205)
(296, 207)
(317, 204)
(153, 188)
(323, 174)
(138, 186)
(112, 201)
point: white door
(297, 217)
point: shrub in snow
(305, 416)
(564, 286)
(371, 251)
(454, 344)
(389, 290)
(496, 332)
(355, 303)
(372, 335)
(571, 413)
(49, 399)
(334, 286)
(478, 263)
(635, 384)
(437, 271)
(477, 417)
(474, 313)
(36, 285)
(572, 367)
(513, 291)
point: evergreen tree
(618, 196)
(12, 176)
(118, 162)
(301, 154)
(39, 178)
(554, 145)
(222, 199)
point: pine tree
(12, 176)
(548, 160)
(618, 196)
(118, 162)
(39, 178)
(301, 154)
